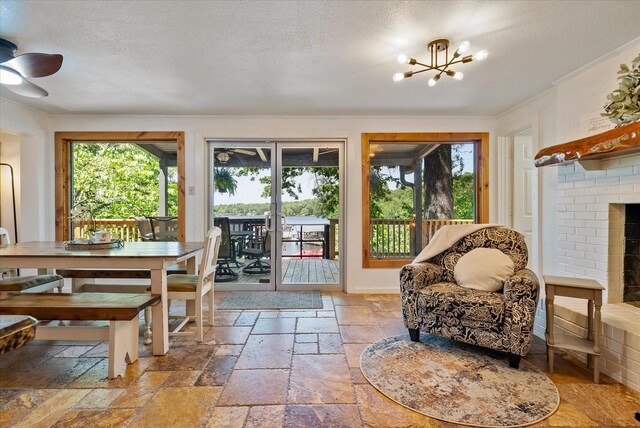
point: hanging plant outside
(624, 103)
(224, 181)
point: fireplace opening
(632, 253)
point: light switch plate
(192, 190)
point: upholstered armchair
(433, 302)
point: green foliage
(463, 185)
(380, 179)
(397, 204)
(326, 189)
(290, 208)
(224, 181)
(624, 103)
(117, 180)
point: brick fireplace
(597, 211)
(631, 264)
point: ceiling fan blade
(35, 64)
(27, 89)
(244, 152)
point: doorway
(516, 190)
(279, 204)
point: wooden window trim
(63, 141)
(481, 141)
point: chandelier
(435, 62)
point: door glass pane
(241, 184)
(310, 206)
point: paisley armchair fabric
(432, 301)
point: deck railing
(389, 238)
(123, 229)
(395, 238)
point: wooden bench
(30, 284)
(121, 310)
(84, 279)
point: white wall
(198, 128)
(35, 170)
(574, 205)
(559, 114)
(9, 154)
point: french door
(282, 204)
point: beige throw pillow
(484, 269)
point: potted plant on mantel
(623, 109)
(624, 103)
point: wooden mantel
(615, 142)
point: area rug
(459, 383)
(272, 300)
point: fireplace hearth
(632, 253)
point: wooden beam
(615, 142)
(261, 154)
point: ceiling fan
(15, 69)
(223, 155)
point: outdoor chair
(164, 228)
(144, 227)
(226, 255)
(258, 267)
(195, 287)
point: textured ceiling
(304, 58)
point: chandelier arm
(458, 61)
(422, 71)
(425, 65)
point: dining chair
(6, 240)
(195, 287)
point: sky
(250, 191)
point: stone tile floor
(259, 369)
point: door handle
(268, 224)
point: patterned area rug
(272, 300)
(459, 383)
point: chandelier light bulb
(402, 59)
(464, 47)
(398, 77)
(432, 82)
(458, 75)
(9, 77)
(482, 55)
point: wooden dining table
(154, 256)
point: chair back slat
(209, 257)
(4, 236)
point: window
(413, 184)
(166, 147)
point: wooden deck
(298, 271)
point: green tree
(463, 196)
(117, 180)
